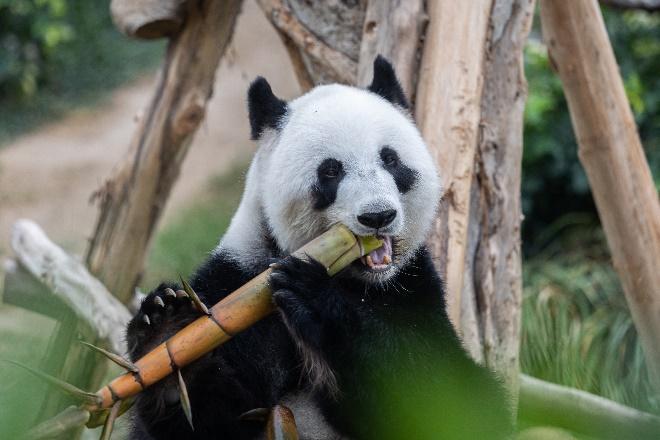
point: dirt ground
(49, 175)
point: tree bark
(491, 298)
(447, 111)
(326, 37)
(148, 18)
(69, 280)
(471, 99)
(133, 199)
(392, 28)
(613, 158)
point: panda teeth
(386, 259)
(370, 262)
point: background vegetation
(56, 55)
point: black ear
(265, 109)
(386, 84)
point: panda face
(347, 155)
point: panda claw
(170, 293)
(181, 294)
(255, 415)
(146, 320)
(159, 301)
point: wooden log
(493, 271)
(21, 289)
(613, 158)
(133, 199)
(148, 19)
(551, 404)
(68, 279)
(447, 112)
(322, 35)
(392, 28)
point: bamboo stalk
(335, 249)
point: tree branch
(280, 15)
(68, 279)
(133, 199)
(148, 18)
(551, 404)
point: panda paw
(307, 297)
(162, 313)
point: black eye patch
(329, 173)
(404, 177)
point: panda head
(348, 155)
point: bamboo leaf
(199, 305)
(110, 421)
(185, 400)
(72, 417)
(73, 391)
(124, 363)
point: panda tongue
(382, 255)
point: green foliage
(577, 330)
(24, 337)
(30, 33)
(56, 55)
(554, 182)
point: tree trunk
(447, 111)
(133, 199)
(491, 299)
(613, 158)
(474, 100)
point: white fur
(350, 125)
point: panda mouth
(379, 260)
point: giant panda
(367, 354)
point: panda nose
(377, 220)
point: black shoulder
(219, 276)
